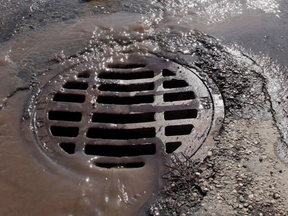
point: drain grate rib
(125, 115)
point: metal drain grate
(124, 115)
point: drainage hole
(126, 66)
(175, 84)
(179, 96)
(120, 134)
(120, 165)
(65, 116)
(72, 98)
(172, 146)
(125, 100)
(178, 130)
(127, 76)
(64, 131)
(126, 88)
(120, 151)
(68, 147)
(123, 118)
(76, 85)
(84, 74)
(166, 72)
(180, 114)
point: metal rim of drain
(125, 114)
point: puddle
(32, 48)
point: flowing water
(38, 36)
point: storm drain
(125, 114)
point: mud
(241, 176)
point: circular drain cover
(126, 114)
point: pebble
(276, 196)
(209, 153)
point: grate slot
(121, 165)
(127, 76)
(180, 114)
(65, 116)
(126, 66)
(76, 85)
(126, 88)
(176, 130)
(125, 100)
(64, 131)
(120, 134)
(179, 96)
(70, 98)
(84, 74)
(120, 151)
(172, 146)
(174, 84)
(123, 118)
(166, 72)
(68, 147)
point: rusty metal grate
(125, 114)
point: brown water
(32, 184)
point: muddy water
(32, 184)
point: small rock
(209, 153)
(276, 196)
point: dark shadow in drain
(70, 98)
(126, 66)
(180, 114)
(172, 146)
(84, 74)
(76, 85)
(125, 100)
(167, 72)
(120, 134)
(121, 165)
(169, 97)
(65, 116)
(176, 130)
(123, 118)
(174, 84)
(126, 88)
(120, 151)
(64, 131)
(126, 75)
(68, 147)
